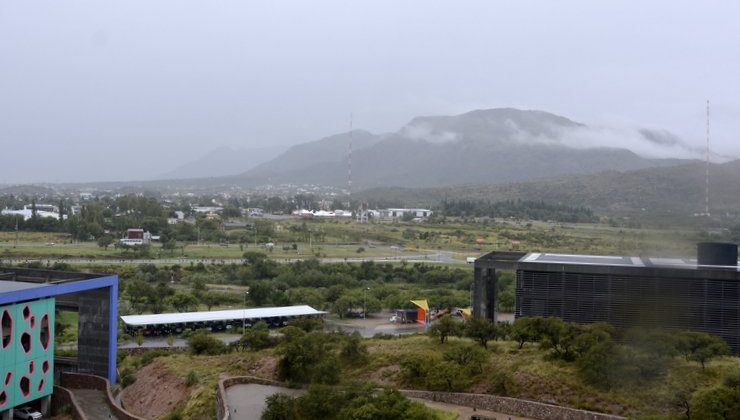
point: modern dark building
(29, 300)
(701, 295)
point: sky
(95, 91)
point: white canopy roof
(227, 315)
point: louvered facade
(631, 292)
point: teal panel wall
(7, 393)
(29, 356)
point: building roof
(13, 286)
(226, 315)
(548, 262)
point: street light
(364, 302)
(244, 313)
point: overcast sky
(127, 90)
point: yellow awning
(466, 311)
(422, 303)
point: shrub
(149, 357)
(202, 343)
(716, 403)
(354, 350)
(469, 357)
(191, 379)
(416, 367)
(127, 378)
(447, 376)
(501, 383)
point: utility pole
(364, 302)
(706, 191)
(244, 313)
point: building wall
(94, 325)
(700, 304)
(26, 352)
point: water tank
(717, 253)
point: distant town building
(136, 237)
(42, 210)
(178, 216)
(399, 213)
(208, 209)
(308, 214)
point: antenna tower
(706, 190)
(349, 166)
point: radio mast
(349, 166)
(706, 179)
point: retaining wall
(64, 397)
(84, 381)
(222, 408)
(513, 406)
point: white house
(399, 213)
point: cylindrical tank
(717, 253)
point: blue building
(29, 299)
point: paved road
(442, 257)
(93, 404)
(247, 401)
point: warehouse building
(700, 295)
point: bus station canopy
(226, 315)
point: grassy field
(335, 239)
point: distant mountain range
(678, 189)
(222, 162)
(486, 146)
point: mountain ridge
(482, 146)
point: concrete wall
(83, 381)
(514, 406)
(63, 397)
(222, 409)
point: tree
(354, 350)
(719, 403)
(105, 241)
(599, 365)
(481, 330)
(307, 359)
(183, 301)
(559, 336)
(445, 327)
(279, 406)
(700, 347)
(342, 306)
(469, 357)
(525, 329)
(260, 291)
(169, 245)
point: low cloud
(423, 131)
